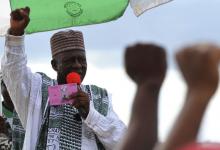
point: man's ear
(54, 64)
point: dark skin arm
(3, 128)
(146, 65)
(19, 21)
(199, 67)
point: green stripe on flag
(54, 14)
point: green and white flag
(140, 6)
(54, 14)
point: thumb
(27, 10)
(25, 15)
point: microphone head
(73, 77)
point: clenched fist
(81, 102)
(146, 63)
(19, 21)
(199, 66)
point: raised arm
(199, 67)
(146, 65)
(16, 75)
(3, 127)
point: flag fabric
(48, 15)
(4, 16)
(140, 6)
(4, 25)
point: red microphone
(73, 77)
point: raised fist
(199, 67)
(19, 21)
(146, 63)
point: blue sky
(173, 25)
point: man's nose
(76, 64)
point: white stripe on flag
(140, 6)
(4, 16)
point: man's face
(69, 61)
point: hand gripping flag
(54, 14)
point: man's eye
(82, 60)
(67, 61)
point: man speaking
(57, 127)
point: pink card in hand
(60, 94)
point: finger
(74, 102)
(13, 12)
(79, 88)
(82, 94)
(81, 98)
(77, 104)
(15, 15)
(73, 95)
(217, 54)
(25, 16)
(80, 102)
(84, 104)
(27, 10)
(209, 51)
(77, 93)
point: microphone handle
(82, 112)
